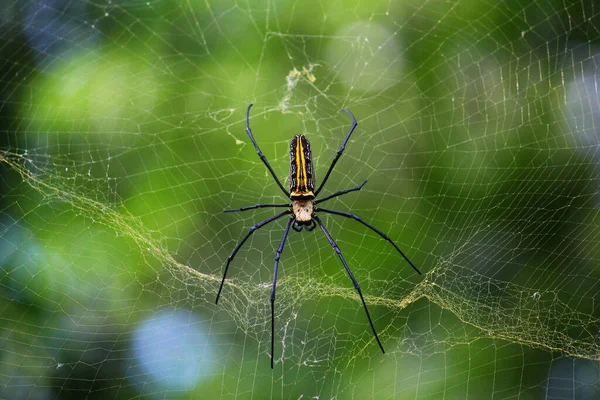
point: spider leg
(260, 154)
(255, 206)
(371, 227)
(339, 152)
(341, 192)
(356, 286)
(273, 289)
(235, 250)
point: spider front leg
(235, 250)
(273, 289)
(356, 285)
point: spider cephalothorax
(303, 212)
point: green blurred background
(122, 139)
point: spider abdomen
(302, 176)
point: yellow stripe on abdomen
(298, 164)
(303, 174)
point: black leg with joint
(341, 192)
(356, 286)
(339, 152)
(241, 242)
(273, 289)
(371, 227)
(255, 206)
(260, 154)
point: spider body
(303, 212)
(302, 183)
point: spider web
(123, 140)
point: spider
(303, 211)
